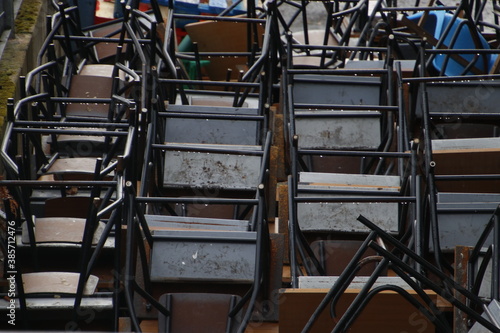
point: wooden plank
(468, 163)
(256, 327)
(277, 126)
(73, 165)
(125, 324)
(275, 278)
(387, 312)
(272, 182)
(461, 277)
(283, 216)
(75, 168)
(151, 326)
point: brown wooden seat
(103, 70)
(61, 230)
(56, 282)
(106, 51)
(198, 312)
(86, 86)
(76, 168)
(80, 145)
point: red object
(144, 7)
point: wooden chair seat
(56, 282)
(61, 230)
(83, 145)
(76, 168)
(83, 86)
(102, 70)
(106, 51)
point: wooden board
(388, 312)
(470, 162)
(151, 326)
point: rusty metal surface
(341, 130)
(462, 218)
(203, 256)
(212, 170)
(212, 131)
(330, 89)
(342, 216)
(462, 97)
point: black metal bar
(344, 114)
(352, 153)
(346, 107)
(129, 269)
(212, 149)
(466, 177)
(219, 18)
(68, 131)
(340, 283)
(242, 117)
(204, 200)
(57, 183)
(210, 83)
(412, 9)
(292, 231)
(426, 265)
(495, 274)
(375, 199)
(70, 124)
(467, 79)
(438, 289)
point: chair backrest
(461, 98)
(337, 89)
(198, 312)
(215, 256)
(212, 131)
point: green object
(187, 46)
(191, 67)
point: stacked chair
(406, 249)
(344, 153)
(142, 173)
(201, 205)
(65, 149)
